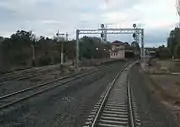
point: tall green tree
(136, 48)
(92, 47)
(177, 51)
(164, 52)
(173, 41)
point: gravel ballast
(64, 106)
(152, 113)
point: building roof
(117, 42)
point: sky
(46, 17)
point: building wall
(117, 52)
(118, 55)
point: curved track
(116, 107)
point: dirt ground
(166, 84)
(151, 111)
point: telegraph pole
(33, 51)
(33, 54)
(142, 42)
(77, 48)
(62, 46)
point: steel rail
(34, 87)
(37, 93)
(131, 114)
(21, 76)
(43, 84)
(116, 106)
(79, 75)
(106, 97)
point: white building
(117, 50)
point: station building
(120, 50)
(117, 50)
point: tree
(16, 51)
(1, 39)
(135, 45)
(164, 52)
(1, 54)
(177, 51)
(136, 48)
(173, 40)
(88, 46)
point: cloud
(45, 17)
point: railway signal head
(134, 25)
(102, 35)
(102, 25)
(134, 35)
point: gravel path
(65, 106)
(152, 112)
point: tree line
(16, 51)
(173, 43)
(172, 50)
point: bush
(19, 59)
(45, 60)
(56, 59)
(164, 53)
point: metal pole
(142, 43)
(101, 56)
(66, 36)
(62, 54)
(103, 33)
(62, 47)
(138, 40)
(77, 48)
(136, 35)
(33, 54)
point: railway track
(17, 97)
(116, 107)
(25, 74)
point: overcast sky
(45, 17)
